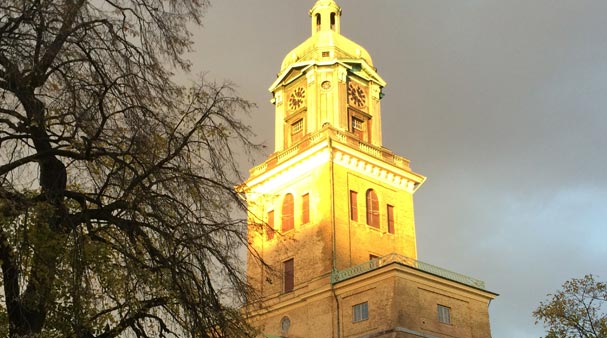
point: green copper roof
(377, 263)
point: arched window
(333, 21)
(372, 209)
(318, 22)
(287, 213)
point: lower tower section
(326, 204)
(332, 217)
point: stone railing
(369, 149)
(377, 263)
(339, 136)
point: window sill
(360, 321)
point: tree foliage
(116, 183)
(579, 309)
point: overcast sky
(501, 104)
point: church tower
(331, 211)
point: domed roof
(338, 46)
(326, 42)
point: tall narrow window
(372, 209)
(360, 312)
(317, 22)
(390, 215)
(287, 213)
(444, 314)
(353, 206)
(288, 268)
(270, 229)
(333, 21)
(305, 209)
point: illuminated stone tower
(331, 211)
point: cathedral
(331, 211)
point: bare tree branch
(116, 176)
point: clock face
(296, 99)
(356, 95)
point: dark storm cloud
(500, 103)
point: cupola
(325, 16)
(326, 42)
(328, 80)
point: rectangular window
(360, 312)
(357, 124)
(358, 127)
(287, 213)
(297, 127)
(372, 209)
(444, 314)
(390, 219)
(297, 130)
(305, 209)
(288, 275)
(270, 229)
(353, 206)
